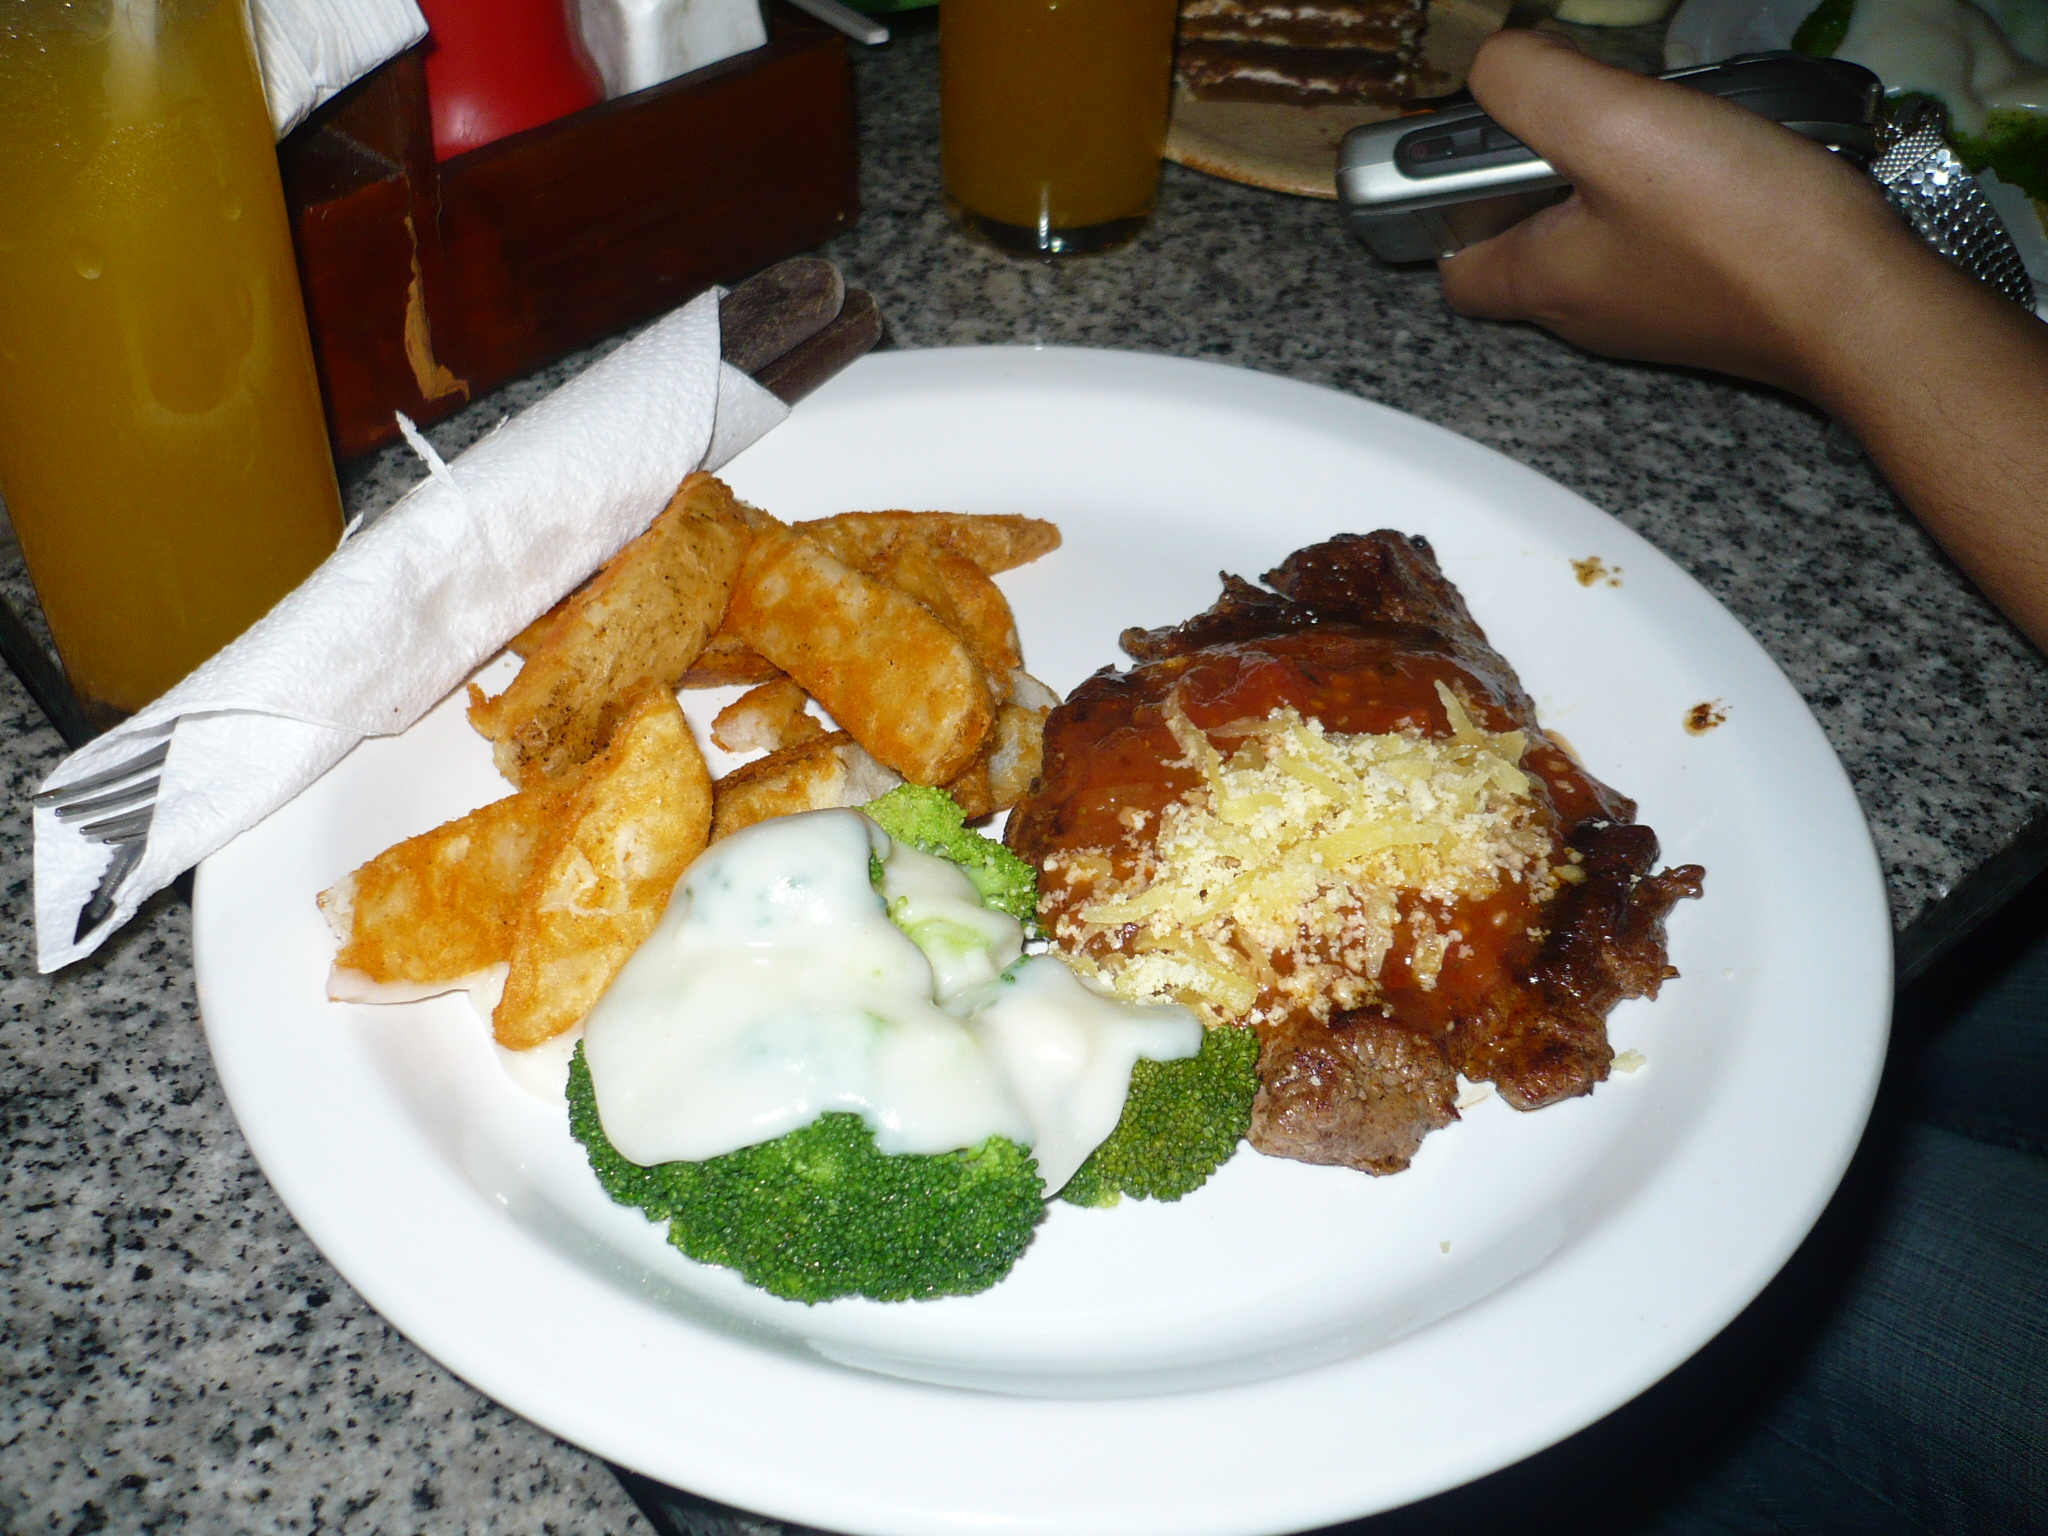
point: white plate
(1290, 1345)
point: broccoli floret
(1824, 28)
(820, 1212)
(2014, 144)
(1180, 1124)
(932, 822)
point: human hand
(1698, 232)
(1701, 233)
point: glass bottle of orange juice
(1053, 118)
(162, 449)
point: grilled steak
(1365, 1013)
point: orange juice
(1054, 116)
(162, 448)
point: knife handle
(778, 309)
(799, 371)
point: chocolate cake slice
(1302, 52)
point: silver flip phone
(1416, 188)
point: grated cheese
(1284, 880)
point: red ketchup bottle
(495, 67)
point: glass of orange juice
(163, 452)
(1054, 118)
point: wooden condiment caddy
(427, 285)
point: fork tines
(131, 828)
(142, 762)
(120, 799)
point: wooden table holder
(427, 285)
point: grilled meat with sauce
(1325, 811)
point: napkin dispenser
(427, 285)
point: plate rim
(780, 1491)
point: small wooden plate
(1294, 149)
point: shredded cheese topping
(1280, 884)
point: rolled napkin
(408, 608)
(310, 49)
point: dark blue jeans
(1894, 1379)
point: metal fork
(131, 799)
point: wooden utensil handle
(797, 373)
(777, 310)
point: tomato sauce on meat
(1363, 634)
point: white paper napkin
(312, 48)
(638, 43)
(408, 608)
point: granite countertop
(178, 1357)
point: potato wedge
(904, 685)
(971, 790)
(997, 542)
(620, 838)
(640, 622)
(1016, 756)
(1002, 773)
(766, 719)
(818, 775)
(727, 662)
(993, 541)
(964, 599)
(529, 639)
(436, 911)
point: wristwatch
(1933, 192)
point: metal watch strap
(1932, 191)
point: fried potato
(528, 640)
(727, 662)
(620, 838)
(971, 790)
(435, 912)
(994, 541)
(997, 542)
(1003, 772)
(963, 598)
(1017, 756)
(766, 719)
(640, 622)
(904, 685)
(818, 775)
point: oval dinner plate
(1289, 1346)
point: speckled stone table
(176, 1356)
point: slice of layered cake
(1303, 52)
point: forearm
(1703, 235)
(1946, 386)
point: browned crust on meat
(1358, 1092)
(1545, 1038)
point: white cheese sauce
(1947, 49)
(937, 907)
(776, 989)
(1067, 1052)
